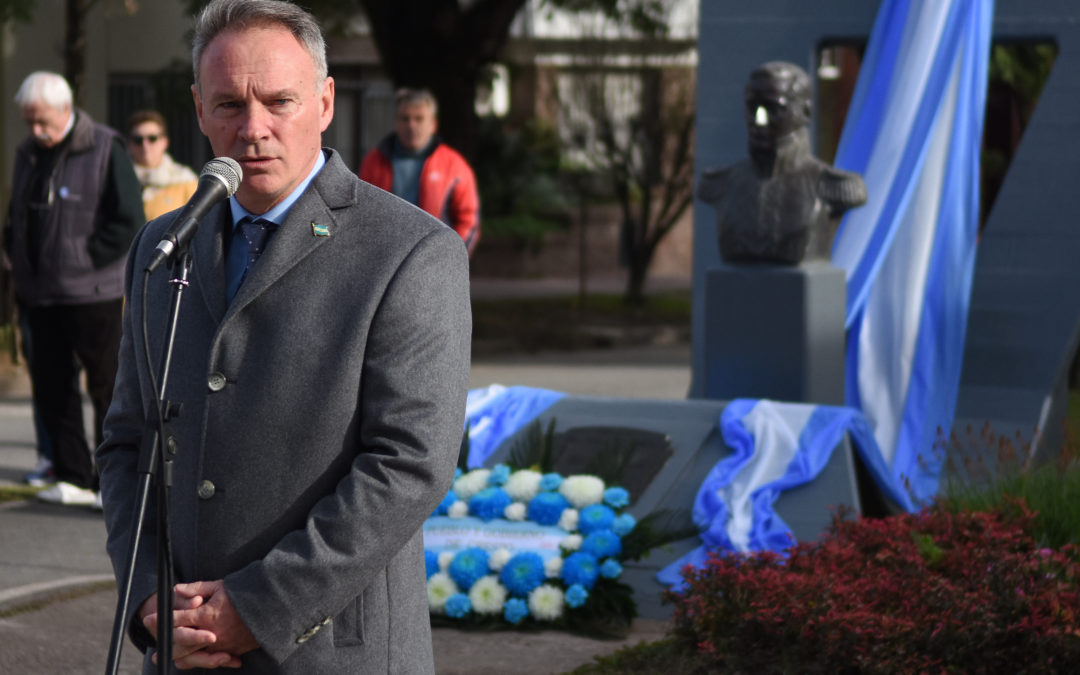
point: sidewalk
(56, 592)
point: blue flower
(458, 605)
(580, 568)
(546, 507)
(522, 573)
(489, 503)
(499, 474)
(550, 481)
(431, 562)
(515, 610)
(624, 524)
(616, 497)
(602, 544)
(444, 505)
(467, 566)
(610, 569)
(595, 517)
(576, 596)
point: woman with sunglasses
(166, 184)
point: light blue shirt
(238, 247)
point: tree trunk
(445, 51)
(75, 44)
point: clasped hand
(207, 631)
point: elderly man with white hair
(75, 207)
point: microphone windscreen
(227, 170)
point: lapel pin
(320, 230)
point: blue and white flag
(495, 413)
(775, 447)
(913, 131)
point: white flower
(581, 491)
(523, 485)
(546, 603)
(471, 483)
(445, 558)
(553, 567)
(487, 595)
(515, 511)
(440, 587)
(458, 509)
(571, 542)
(498, 559)
(569, 519)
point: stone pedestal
(775, 332)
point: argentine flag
(913, 131)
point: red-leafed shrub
(929, 592)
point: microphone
(218, 181)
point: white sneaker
(67, 494)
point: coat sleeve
(414, 380)
(117, 463)
(465, 206)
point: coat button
(206, 490)
(216, 381)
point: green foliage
(668, 656)
(534, 449)
(1024, 68)
(989, 472)
(659, 528)
(517, 171)
(16, 10)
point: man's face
(415, 125)
(46, 123)
(260, 103)
(147, 144)
(773, 111)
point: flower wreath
(516, 588)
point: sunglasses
(138, 140)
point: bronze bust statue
(780, 205)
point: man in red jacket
(418, 167)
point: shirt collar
(277, 214)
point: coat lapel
(297, 237)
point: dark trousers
(60, 335)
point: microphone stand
(155, 460)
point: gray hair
(406, 96)
(44, 87)
(225, 15)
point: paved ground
(56, 597)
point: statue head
(777, 104)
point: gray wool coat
(322, 415)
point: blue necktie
(256, 233)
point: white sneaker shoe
(67, 494)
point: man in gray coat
(322, 376)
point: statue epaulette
(842, 188)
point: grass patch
(59, 596)
(666, 656)
(11, 493)
(565, 322)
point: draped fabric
(913, 131)
(775, 447)
(495, 413)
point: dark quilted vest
(64, 274)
